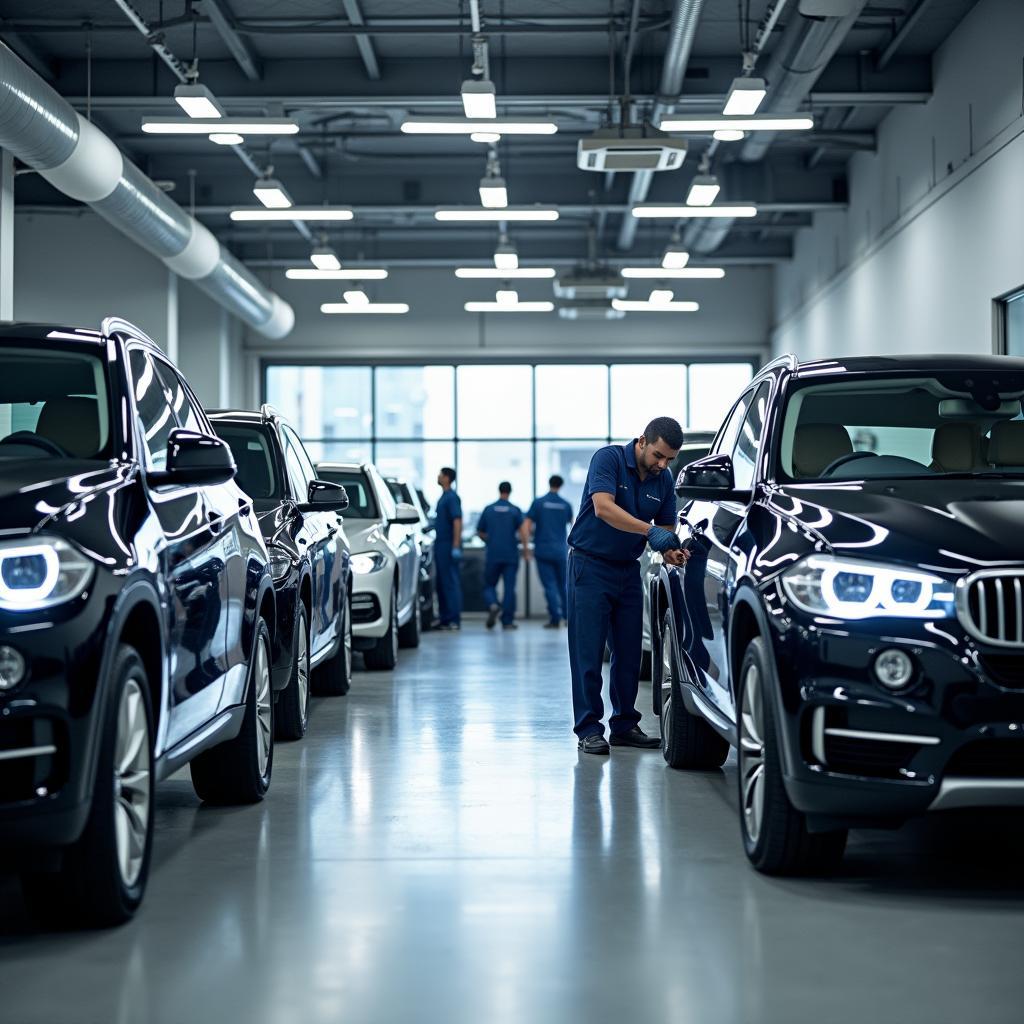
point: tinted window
(154, 407)
(301, 455)
(728, 436)
(361, 502)
(185, 407)
(253, 456)
(748, 441)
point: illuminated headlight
(280, 565)
(41, 573)
(368, 561)
(847, 588)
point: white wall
(935, 227)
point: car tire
(687, 741)
(238, 771)
(383, 656)
(334, 677)
(103, 875)
(775, 834)
(292, 710)
(409, 634)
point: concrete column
(172, 317)
(224, 345)
(6, 236)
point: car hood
(37, 492)
(364, 534)
(956, 524)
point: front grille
(1005, 669)
(365, 608)
(990, 605)
(988, 759)
(872, 758)
(25, 775)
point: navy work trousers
(552, 578)
(605, 605)
(507, 573)
(449, 586)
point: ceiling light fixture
(519, 307)
(271, 193)
(461, 126)
(505, 255)
(676, 257)
(493, 193)
(659, 296)
(689, 212)
(489, 137)
(703, 190)
(197, 101)
(669, 273)
(730, 135)
(226, 138)
(645, 306)
(206, 125)
(356, 297)
(471, 213)
(505, 274)
(311, 213)
(506, 297)
(757, 123)
(371, 307)
(745, 96)
(348, 274)
(478, 99)
(325, 258)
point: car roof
(237, 415)
(935, 362)
(348, 467)
(111, 325)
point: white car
(385, 563)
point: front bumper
(371, 602)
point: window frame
(1000, 320)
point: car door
(403, 539)
(711, 572)
(190, 566)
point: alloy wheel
(131, 783)
(751, 753)
(264, 710)
(302, 675)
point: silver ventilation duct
(44, 131)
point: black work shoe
(552, 625)
(492, 615)
(593, 745)
(636, 737)
(509, 625)
(449, 627)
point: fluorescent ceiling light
(490, 137)
(313, 213)
(675, 258)
(478, 99)
(325, 258)
(519, 307)
(271, 193)
(660, 296)
(757, 123)
(677, 212)
(745, 96)
(510, 213)
(506, 297)
(642, 306)
(372, 307)
(197, 101)
(506, 274)
(677, 273)
(730, 135)
(460, 126)
(506, 257)
(227, 139)
(356, 297)
(493, 193)
(703, 190)
(205, 125)
(348, 274)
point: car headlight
(41, 573)
(848, 588)
(368, 561)
(280, 564)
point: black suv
(309, 559)
(852, 614)
(136, 612)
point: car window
(387, 502)
(361, 502)
(727, 438)
(748, 440)
(153, 403)
(297, 479)
(305, 462)
(185, 407)
(250, 446)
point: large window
(515, 422)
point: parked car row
(172, 584)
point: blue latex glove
(457, 554)
(662, 540)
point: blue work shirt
(551, 516)
(449, 508)
(500, 522)
(613, 471)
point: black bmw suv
(309, 559)
(136, 613)
(852, 614)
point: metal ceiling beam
(906, 27)
(224, 22)
(363, 42)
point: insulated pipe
(42, 130)
(673, 72)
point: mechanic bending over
(501, 523)
(627, 490)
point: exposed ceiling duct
(673, 72)
(42, 130)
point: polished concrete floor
(436, 850)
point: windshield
(250, 446)
(361, 503)
(950, 424)
(53, 404)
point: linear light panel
(673, 273)
(509, 213)
(345, 274)
(644, 306)
(314, 213)
(333, 308)
(221, 125)
(676, 212)
(497, 274)
(743, 124)
(465, 126)
(502, 307)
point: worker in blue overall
(448, 552)
(501, 529)
(550, 517)
(627, 490)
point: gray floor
(436, 850)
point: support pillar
(6, 236)
(172, 317)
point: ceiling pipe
(43, 131)
(673, 71)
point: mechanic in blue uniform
(448, 552)
(501, 528)
(550, 517)
(627, 490)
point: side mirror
(325, 496)
(710, 479)
(195, 460)
(407, 514)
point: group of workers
(590, 573)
